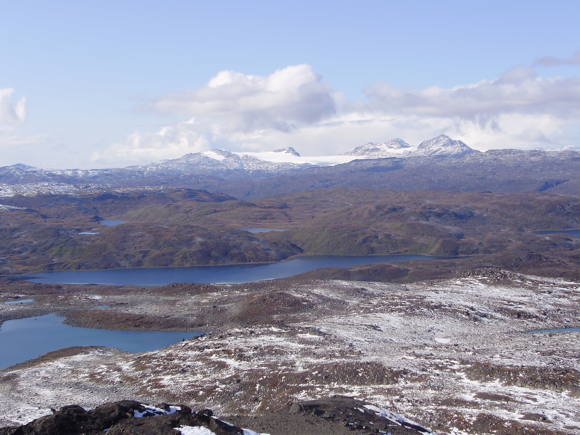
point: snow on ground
(214, 155)
(278, 157)
(447, 354)
(195, 430)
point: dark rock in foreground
(333, 415)
(125, 417)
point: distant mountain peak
(397, 143)
(22, 167)
(288, 150)
(443, 145)
(394, 147)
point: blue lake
(19, 301)
(28, 338)
(111, 223)
(575, 233)
(214, 274)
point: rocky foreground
(453, 355)
(337, 415)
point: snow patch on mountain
(213, 154)
(393, 148)
(440, 146)
(44, 188)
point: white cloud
(284, 100)
(232, 110)
(294, 107)
(12, 111)
(519, 90)
(168, 142)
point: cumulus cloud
(559, 61)
(12, 111)
(167, 142)
(283, 100)
(294, 107)
(233, 110)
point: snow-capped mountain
(393, 148)
(221, 161)
(213, 169)
(218, 161)
(442, 146)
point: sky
(111, 83)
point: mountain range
(440, 163)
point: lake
(19, 301)
(24, 339)
(28, 338)
(240, 273)
(575, 233)
(111, 223)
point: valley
(185, 227)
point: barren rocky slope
(453, 355)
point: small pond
(575, 233)
(28, 338)
(19, 301)
(111, 223)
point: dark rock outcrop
(122, 418)
(356, 415)
(336, 415)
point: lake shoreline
(210, 274)
(40, 335)
(257, 263)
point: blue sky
(101, 79)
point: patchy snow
(251, 432)
(378, 342)
(195, 430)
(278, 157)
(43, 188)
